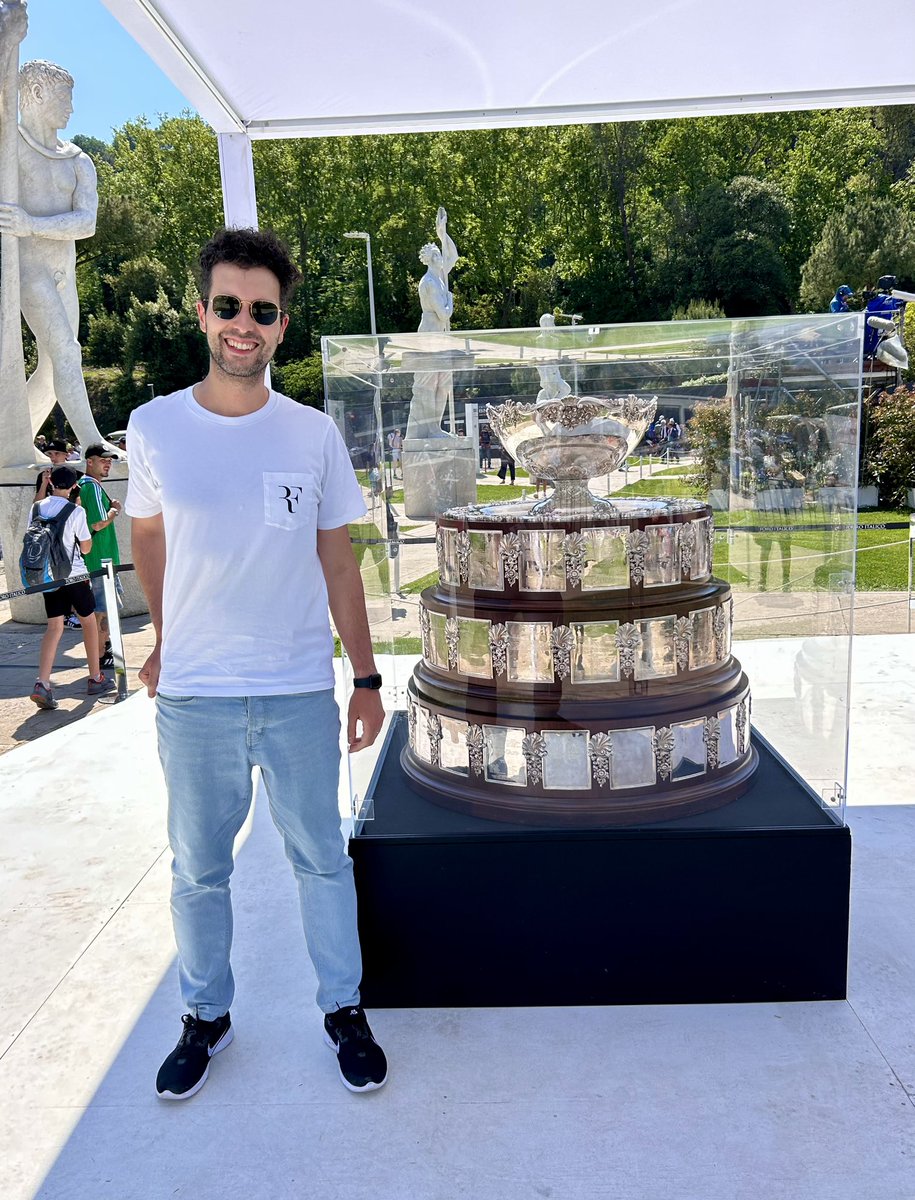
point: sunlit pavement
(730, 1102)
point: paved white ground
(751, 1102)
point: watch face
(368, 681)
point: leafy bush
(105, 343)
(709, 432)
(301, 379)
(890, 452)
(112, 395)
(698, 310)
(166, 341)
(141, 278)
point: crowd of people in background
(88, 536)
(664, 430)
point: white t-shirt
(76, 530)
(244, 599)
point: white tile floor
(752, 1102)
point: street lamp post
(367, 238)
(361, 235)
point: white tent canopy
(294, 68)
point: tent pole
(236, 169)
(239, 198)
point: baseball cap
(58, 444)
(97, 451)
(64, 477)
(844, 290)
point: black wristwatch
(368, 681)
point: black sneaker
(106, 660)
(363, 1066)
(185, 1070)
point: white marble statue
(57, 204)
(432, 389)
(552, 384)
(436, 300)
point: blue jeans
(208, 746)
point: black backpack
(43, 558)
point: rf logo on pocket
(290, 500)
(292, 493)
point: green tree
(166, 341)
(728, 250)
(104, 344)
(303, 380)
(98, 151)
(873, 236)
(174, 167)
(142, 278)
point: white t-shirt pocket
(290, 500)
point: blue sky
(115, 80)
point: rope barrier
(834, 528)
(37, 588)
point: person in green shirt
(101, 513)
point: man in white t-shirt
(76, 541)
(240, 500)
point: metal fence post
(114, 629)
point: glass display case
(646, 620)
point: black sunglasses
(227, 308)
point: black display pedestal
(747, 903)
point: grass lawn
(372, 559)
(417, 585)
(800, 561)
(488, 492)
(654, 487)
(401, 645)
(815, 559)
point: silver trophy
(570, 440)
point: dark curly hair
(249, 248)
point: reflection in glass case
(589, 658)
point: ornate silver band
(577, 759)
(584, 652)
(592, 560)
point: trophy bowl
(571, 440)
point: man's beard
(239, 370)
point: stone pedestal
(438, 473)
(17, 495)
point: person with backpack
(59, 535)
(101, 513)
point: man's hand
(116, 505)
(149, 672)
(15, 220)
(365, 707)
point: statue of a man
(58, 202)
(432, 389)
(552, 384)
